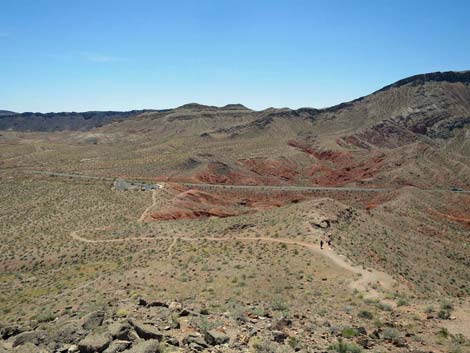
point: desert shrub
(45, 317)
(264, 346)
(429, 309)
(349, 332)
(390, 333)
(293, 342)
(238, 312)
(344, 347)
(445, 310)
(121, 313)
(443, 314)
(364, 314)
(384, 307)
(279, 305)
(443, 333)
(402, 302)
(202, 324)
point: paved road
(248, 187)
(290, 188)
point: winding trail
(147, 210)
(367, 280)
(366, 277)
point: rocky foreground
(156, 326)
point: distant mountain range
(61, 121)
(433, 104)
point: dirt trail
(147, 210)
(367, 277)
(461, 324)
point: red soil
(221, 173)
(338, 168)
(463, 219)
(279, 168)
(178, 213)
(193, 204)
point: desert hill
(198, 228)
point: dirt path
(461, 324)
(363, 283)
(366, 283)
(147, 210)
(170, 248)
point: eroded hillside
(224, 253)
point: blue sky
(59, 55)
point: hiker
(321, 244)
(329, 242)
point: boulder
(142, 302)
(172, 341)
(195, 339)
(365, 342)
(146, 331)
(9, 331)
(94, 343)
(157, 303)
(361, 330)
(35, 337)
(117, 346)
(400, 342)
(279, 336)
(150, 346)
(119, 330)
(214, 337)
(282, 324)
(93, 320)
(175, 306)
(29, 348)
(69, 333)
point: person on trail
(321, 244)
(329, 242)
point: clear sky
(64, 55)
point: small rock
(28, 348)
(142, 302)
(186, 312)
(69, 333)
(283, 323)
(361, 330)
(150, 346)
(117, 346)
(195, 338)
(376, 333)
(119, 330)
(94, 343)
(175, 306)
(73, 348)
(35, 337)
(146, 331)
(9, 331)
(400, 342)
(172, 341)
(93, 320)
(279, 336)
(157, 303)
(365, 342)
(214, 337)
(195, 347)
